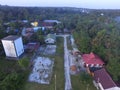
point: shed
(50, 39)
(13, 46)
(92, 60)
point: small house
(103, 81)
(49, 24)
(13, 46)
(50, 39)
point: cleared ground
(58, 70)
(42, 70)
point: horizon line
(60, 7)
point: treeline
(34, 13)
(8, 13)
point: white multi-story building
(13, 46)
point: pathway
(66, 66)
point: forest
(95, 31)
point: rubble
(42, 70)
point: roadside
(79, 81)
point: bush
(13, 81)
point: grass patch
(79, 84)
(59, 64)
(8, 65)
(58, 70)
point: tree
(13, 81)
(113, 69)
(40, 36)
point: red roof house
(92, 60)
(103, 80)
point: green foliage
(13, 81)
(85, 77)
(83, 41)
(24, 62)
(12, 76)
(40, 36)
(82, 81)
(60, 50)
(113, 69)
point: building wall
(19, 46)
(100, 86)
(9, 48)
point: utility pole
(55, 81)
(87, 86)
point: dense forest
(95, 31)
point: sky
(93, 4)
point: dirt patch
(47, 50)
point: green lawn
(8, 65)
(78, 84)
(58, 70)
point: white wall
(50, 40)
(113, 88)
(9, 48)
(19, 46)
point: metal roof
(92, 59)
(11, 37)
(53, 36)
(101, 76)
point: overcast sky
(95, 4)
